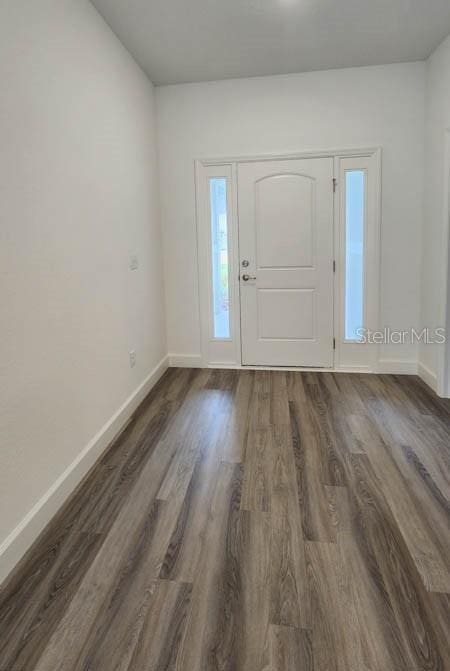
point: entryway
(288, 259)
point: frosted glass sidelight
(354, 253)
(219, 256)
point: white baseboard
(185, 361)
(26, 532)
(428, 376)
(394, 366)
(397, 367)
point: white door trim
(214, 350)
(319, 153)
(359, 355)
(443, 355)
(201, 165)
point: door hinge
(334, 266)
(334, 184)
(334, 343)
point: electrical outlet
(132, 358)
(134, 262)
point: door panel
(286, 313)
(281, 201)
(286, 235)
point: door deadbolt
(245, 263)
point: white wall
(437, 121)
(321, 110)
(79, 194)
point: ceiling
(197, 40)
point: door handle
(246, 278)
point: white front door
(286, 262)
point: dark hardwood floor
(250, 521)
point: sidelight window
(219, 257)
(355, 215)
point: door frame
(212, 349)
(443, 353)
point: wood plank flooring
(250, 521)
